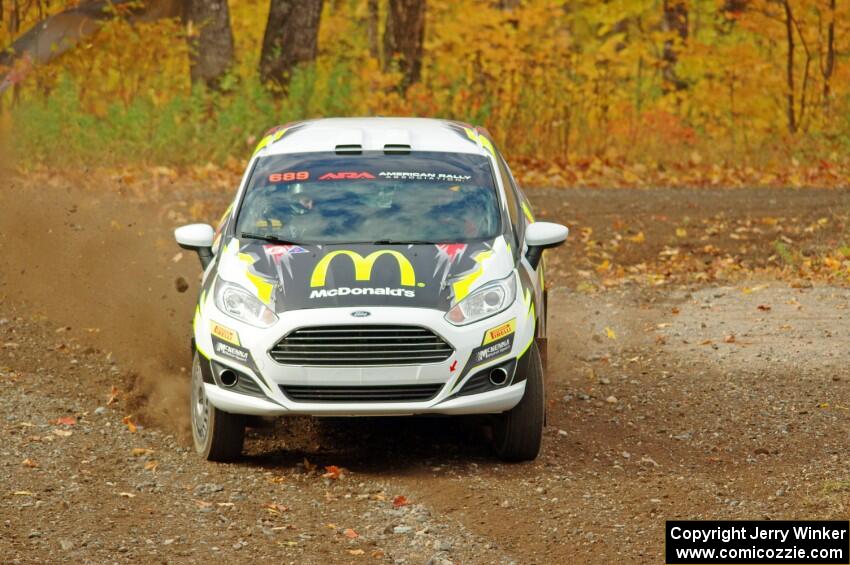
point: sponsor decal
(494, 334)
(447, 255)
(412, 175)
(224, 333)
(363, 266)
(347, 175)
(280, 256)
(289, 176)
(231, 351)
(491, 350)
(356, 291)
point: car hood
(295, 277)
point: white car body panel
(372, 134)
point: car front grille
(392, 393)
(360, 346)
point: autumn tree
(403, 38)
(210, 41)
(675, 22)
(291, 38)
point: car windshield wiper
(403, 242)
(269, 238)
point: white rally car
(372, 266)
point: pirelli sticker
(224, 333)
(497, 333)
(497, 342)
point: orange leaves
(114, 394)
(400, 501)
(333, 472)
(275, 509)
(128, 421)
(65, 421)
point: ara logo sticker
(347, 175)
(224, 333)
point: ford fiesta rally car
(372, 266)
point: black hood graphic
(295, 277)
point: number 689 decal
(289, 176)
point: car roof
(348, 135)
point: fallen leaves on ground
(333, 472)
(350, 533)
(29, 463)
(400, 501)
(114, 394)
(128, 421)
(274, 508)
(65, 421)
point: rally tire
(217, 435)
(517, 433)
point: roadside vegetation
(630, 92)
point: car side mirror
(198, 238)
(543, 235)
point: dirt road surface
(698, 398)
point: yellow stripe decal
(269, 140)
(264, 288)
(462, 286)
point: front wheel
(217, 435)
(518, 432)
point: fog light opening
(228, 378)
(498, 376)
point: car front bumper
(452, 374)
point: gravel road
(710, 399)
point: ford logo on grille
(361, 314)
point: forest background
(576, 93)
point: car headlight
(238, 303)
(484, 302)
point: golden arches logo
(363, 266)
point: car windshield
(325, 198)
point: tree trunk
(675, 21)
(829, 64)
(372, 29)
(403, 38)
(789, 68)
(291, 38)
(211, 41)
